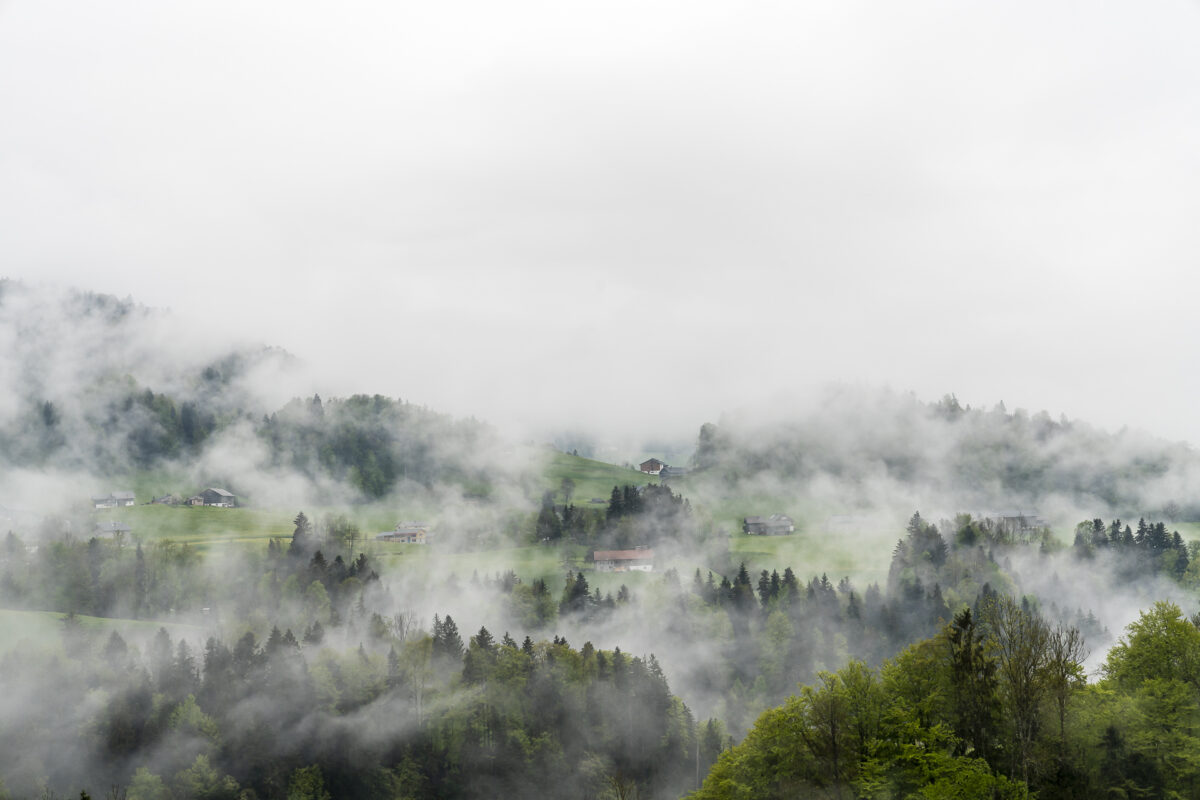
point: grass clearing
(550, 563)
(593, 479)
(42, 630)
(810, 551)
(809, 556)
(208, 529)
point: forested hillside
(859, 448)
(994, 706)
(260, 652)
(96, 388)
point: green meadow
(203, 528)
(593, 479)
(810, 551)
(210, 528)
(810, 555)
(19, 630)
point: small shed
(774, 525)
(219, 498)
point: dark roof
(221, 492)
(123, 495)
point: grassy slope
(20, 628)
(201, 527)
(809, 556)
(593, 479)
(808, 552)
(206, 528)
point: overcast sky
(632, 214)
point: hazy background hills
(101, 387)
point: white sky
(632, 215)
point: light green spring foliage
(201, 781)
(897, 733)
(1159, 644)
(189, 718)
(307, 784)
(855, 735)
(145, 785)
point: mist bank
(855, 450)
(320, 618)
(98, 391)
(306, 656)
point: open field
(811, 555)
(593, 479)
(203, 528)
(1188, 530)
(19, 629)
(209, 528)
(863, 556)
(206, 528)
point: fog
(98, 393)
(645, 215)
(925, 258)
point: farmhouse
(640, 559)
(651, 466)
(774, 525)
(219, 498)
(114, 500)
(406, 533)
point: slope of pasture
(205, 528)
(813, 554)
(46, 630)
(593, 479)
(861, 551)
(199, 526)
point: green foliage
(145, 785)
(187, 718)
(201, 781)
(1161, 645)
(307, 783)
(374, 443)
